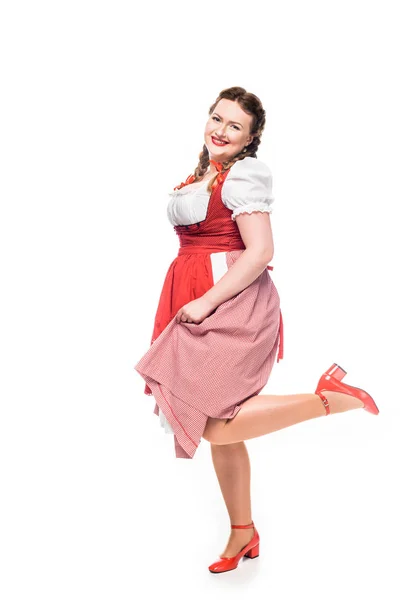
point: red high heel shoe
(331, 381)
(251, 550)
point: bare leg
(232, 467)
(260, 415)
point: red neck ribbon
(190, 178)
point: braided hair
(251, 105)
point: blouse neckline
(177, 192)
(187, 190)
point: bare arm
(256, 233)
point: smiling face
(227, 130)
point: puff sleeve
(248, 187)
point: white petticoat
(163, 422)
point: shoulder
(248, 187)
(249, 167)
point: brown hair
(251, 105)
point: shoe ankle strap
(243, 526)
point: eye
(218, 119)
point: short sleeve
(248, 187)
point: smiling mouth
(218, 142)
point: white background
(103, 107)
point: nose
(220, 132)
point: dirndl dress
(195, 371)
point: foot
(339, 402)
(238, 539)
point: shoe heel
(336, 372)
(254, 552)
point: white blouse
(247, 188)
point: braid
(252, 105)
(204, 161)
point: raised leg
(232, 467)
(263, 414)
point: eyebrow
(236, 123)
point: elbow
(267, 254)
(267, 258)
(264, 257)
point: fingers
(183, 318)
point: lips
(218, 142)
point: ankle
(242, 533)
(339, 402)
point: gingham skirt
(196, 371)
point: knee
(213, 431)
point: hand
(195, 311)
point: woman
(218, 325)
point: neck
(215, 166)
